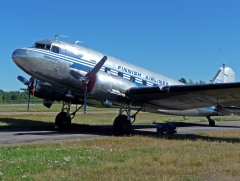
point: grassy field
(208, 156)
(127, 158)
(56, 107)
(46, 120)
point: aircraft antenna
(78, 41)
(56, 37)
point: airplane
(74, 74)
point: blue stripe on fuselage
(82, 64)
(80, 67)
(212, 108)
(64, 57)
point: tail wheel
(122, 126)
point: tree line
(190, 82)
(16, 97)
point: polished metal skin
(52, 61)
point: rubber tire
(211, 123)
(122, 126)
(62, 120)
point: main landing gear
(211, 121)
(122, 125)
(64, 118)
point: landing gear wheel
(122, 126)
(211, 122)
(63, 121)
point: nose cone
(18, 54)
(19, 57)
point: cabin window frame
(120, 74)
(144, 82)
(107, 70)
(132, 79)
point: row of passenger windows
(132, 78)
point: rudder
(224, 75)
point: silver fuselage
(112, 81)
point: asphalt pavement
(86, 132)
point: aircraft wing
(183, 97)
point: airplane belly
(189, 112)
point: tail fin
(224, 75)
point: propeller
(30, 87)
(23, 80)
(88, 80)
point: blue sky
(187, 38)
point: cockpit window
(55, 49)
(42, 46)
(38, 45)
(48, 46)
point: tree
(183, 80)
(202, 82)
(190, 82)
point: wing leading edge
(181, 97)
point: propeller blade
(30, 87)
(76, 74)
(23, 80)
(85, 100)
(28, 101)
(24, 89)
(95, 69)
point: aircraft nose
(19, 56)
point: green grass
(127, 158)
(94, 116)
(37, 107)
(208, 156)
(33, 108)
(36, 121)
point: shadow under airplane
(34, 127)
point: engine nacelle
(49, 93)
(110, 87)
(106, 103)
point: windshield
(47, 46)
(42, 46)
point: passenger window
(132, 79)
(55, 49)
(120, 74)
(144, 82)
(107, 69)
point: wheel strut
(64, 118)
(122, 124)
